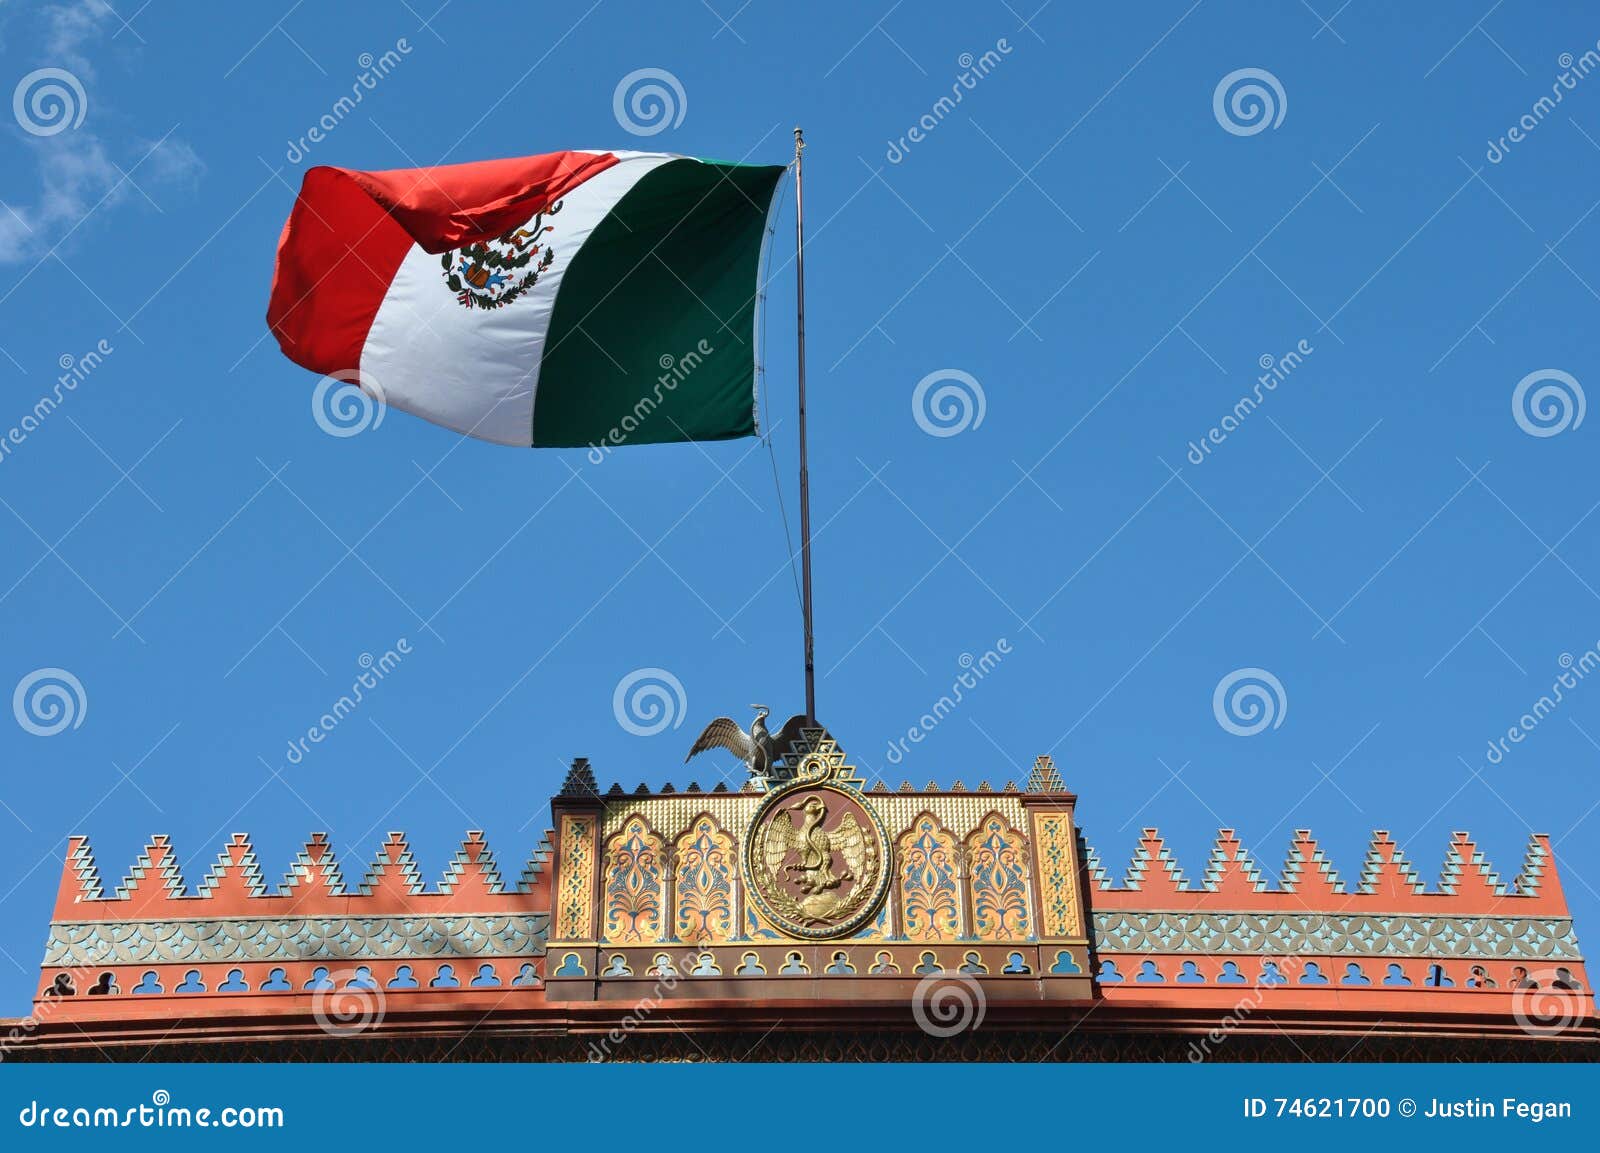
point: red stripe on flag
(456, 204)
(338, 253)
(349, 231)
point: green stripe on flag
(652, 338)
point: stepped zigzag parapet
(313, 884)
(1310, 882)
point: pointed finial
(580, 780)
(1045, 777)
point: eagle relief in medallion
(814, 859)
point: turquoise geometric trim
(92, 943)
(1359, 934)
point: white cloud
(69, 27)
(78, 173)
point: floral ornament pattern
(928, 889)
(999, 881)
(633, 884)
(707, 865)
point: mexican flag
(570, 299)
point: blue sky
(1105, 256)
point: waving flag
(569, 299)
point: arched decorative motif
(998, 875)
(633, 886)
(707, 865)
(929, 894)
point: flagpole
(805, 476)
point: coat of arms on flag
(489, 274)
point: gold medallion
(814, 857)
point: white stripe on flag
(477, 370)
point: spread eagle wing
(850, 843)
(783, 743)
(723, 733)
(781, 837)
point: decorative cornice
(314, 885)
(1469, 887)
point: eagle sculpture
(758, 749)
(813, 872)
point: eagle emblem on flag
(493, 273)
